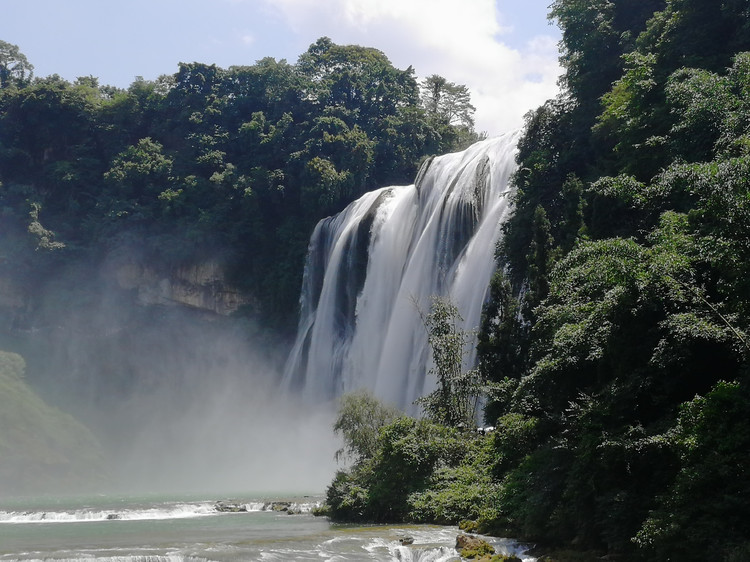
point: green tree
(45, 239)
(15, 69)
(501, 346)
(135, 181)
(642, 220)
(454, 401)
(360, 418)
(447, 102)
(357, 84)
(384, 488)
(539, 261)
(712, 437)
(448, 108)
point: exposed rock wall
(202, 286)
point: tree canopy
(625, 254)
(236, 163)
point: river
(119, 528)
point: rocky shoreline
(288, 507)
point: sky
(505, 51)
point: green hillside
(41, 448)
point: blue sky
(505, 51)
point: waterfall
(372, 269)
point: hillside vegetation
(41, 448)
(236, 165)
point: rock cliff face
(77, 291)
(201, 286)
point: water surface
(161, 529)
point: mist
(237, 433)
(232, 432)
(179, 399)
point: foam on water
(163, 512)
(178, 511)
(136, 558)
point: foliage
(448, 108)
(418, 471)
(15, 69)
(360, 418)
(480, 551)
(454, 401)
(238, 163)
(615, 335)
(457, 492)
(712, 436)
(500, 345)
(41, 448)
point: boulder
(230, 507)
(473, 547)
(406, 540)
(280, 506)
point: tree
(454, 401)
(501, 344)
(14, 66)
(359, 420)
(45, 239)
(447, 102)
(539, 260)
(449, 111)
(358, 84)
(712, 437)
(137, 177)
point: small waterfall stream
(373, 267)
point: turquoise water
(154, 529)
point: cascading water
(372, 269)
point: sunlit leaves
(45, 239)
(713, 438)
(454, 401)
(15, 69)
(447, 102)
(359, 420)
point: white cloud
(462, 41)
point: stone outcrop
(406, 540)
(472, 548)
(230, 506)
(202, 286)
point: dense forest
(614, 346)
(237, 164)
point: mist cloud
(180, 399)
